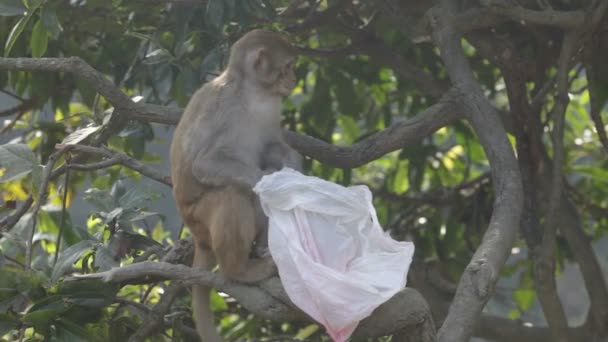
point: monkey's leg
(233, 229)
(260, 249)
(203, 258)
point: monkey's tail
(201, 310)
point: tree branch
(40, 199)
(9, 221)
(549, 17)
(480, 276)
(79, 68)
(390, 139)
(155, 320)
(99, 82)
(115, 158)
(544, 263)
(269, 300)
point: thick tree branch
(480, 276)
(99, 82)
(494, 328)
(527, 145)
(549, 17)
(397, 136)
(74, 65)
(405, 310)
(544, 263)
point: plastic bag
(334, 260)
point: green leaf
(104, 259)
(41, 319)
(15, 33)
(306, 332)
(218, 304)
(7, 323)
(211, 62)
(524, 298)
(32, 4)
(158, 56)
(69, 256)
(79, 135)
(134, 198)
(27, 283)
(50, 21)
(53, 302)
(71, 332)
(88, 292)
(39, 40)
(214, 14)
(16, 161)
(350, 128)
(101, 199)
(12, 7)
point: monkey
(228, 138)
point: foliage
(437, 193)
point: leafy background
(436, 193)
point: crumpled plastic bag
(334, 260)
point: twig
(319, 18)
(20, 108)
(7, 222)
(42, 193)
(293, 6)
(13, 95)
(115, 158)
(12, 123)
(337, 52)
(141, 307)
(64, 201)
(155, 320)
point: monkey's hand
(270, 171)
(261, 252)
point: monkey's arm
(273, 157)
(294, 160)
(221, 169)
(277, 155)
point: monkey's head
(265, 60)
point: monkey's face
(286, 77)
(275, 71)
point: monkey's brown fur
(216, 158)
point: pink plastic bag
(335, 261)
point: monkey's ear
(259, 56)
